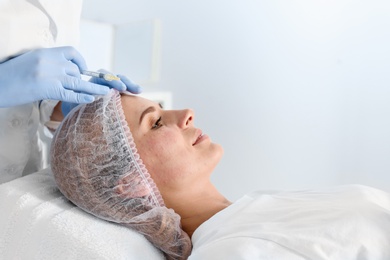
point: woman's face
(175, 153)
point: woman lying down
(126, 160)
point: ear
(132, 187)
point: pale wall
(297, 92)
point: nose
(187, 118)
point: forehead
(134, 102)
(133, 106)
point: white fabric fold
(339, 223)
(37, 222)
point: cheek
(161, 157)
(157, 149)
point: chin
(218, 153)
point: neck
(198, 207)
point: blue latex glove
(124, 84)
(52, 73)
(121, 85)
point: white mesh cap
(96, 166)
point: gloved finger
(72, 97)
(66, 107)
(71, 69)
(99, 80)
(74, 56)
(130, 85)
(117, 84)
(83, 86)
(104, 71)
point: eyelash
(157, 124)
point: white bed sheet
(345, 222)
(37, 222)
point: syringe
(106, 76)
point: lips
(198, 135)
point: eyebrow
(148, 110)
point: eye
(157, 124)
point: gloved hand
(124, 84)
(52, 73)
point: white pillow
(38, 222)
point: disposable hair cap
(96, 166)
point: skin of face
(178, 157)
